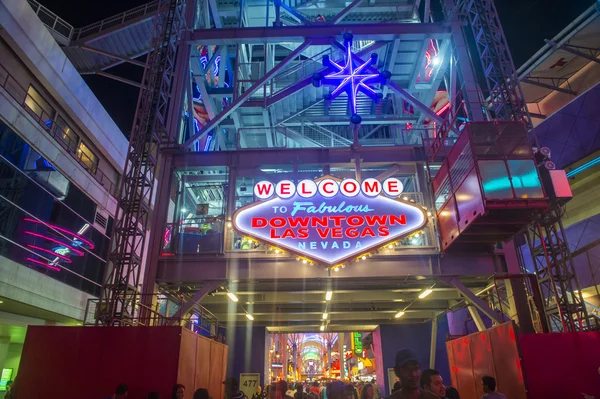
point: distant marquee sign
(329, 220)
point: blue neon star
(351, 78)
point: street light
(232, 296)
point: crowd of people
(412, 384)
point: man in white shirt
(489, 387)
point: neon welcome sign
(329, 220)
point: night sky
(526, 24)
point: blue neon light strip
(583, 167)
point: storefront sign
(357, 344)
(329, 220)
(249, 383)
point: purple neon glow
(351, 78)
(44, 264)
(48, 251)
(78, 252)
(68, 232)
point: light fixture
(399, 315)
(364, 257)
(277, 251)
(436, 61)
(232, 296)
(322, 328)
(79, 324)
(1, 301)
(328, 295)
(228, 224)
(337, 269)
(183, 210)
(425, 293)
(391, 246)
(304, 261)
(325, 316)
(249, 316)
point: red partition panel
(561, 365)
(203, 365)
(493, 352)
(217, 360)
(483, 360)
(463, 367)
(187, 361)
(507, 365)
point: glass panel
(40, 232)
(66, 134)
(87, 157)
(495, 181)
(525, 178)
(197, 212)
(39, 106)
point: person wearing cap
(408, 369)
(232, 389)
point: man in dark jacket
(408, 369)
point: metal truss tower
(563, 301)
(503, 95)
(149, 133)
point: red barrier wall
(89, 362)
(532, 366)
(561, 365)
(493, 352)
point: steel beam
(433, 343)
(116, 57)
(341, 15)
(299, 17)
(261, 35)
(215, 13)
(188, 305)
(495, 316)
(476, 318)
(548, 86)
(416, 103)
(119, 79)
(573, 51)
(244, 96)
(256, 157)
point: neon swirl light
(78, 252)
(351, 78)
(44, 264)
(68, 232)
(48, 251)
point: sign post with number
(249, 383)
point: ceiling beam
(260, 35)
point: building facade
(61, 157)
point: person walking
(178, 391)
(432, 381)
(368, 392)
(489, 388)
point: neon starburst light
(352, 78)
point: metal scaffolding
(149, 133)
(563, 301)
